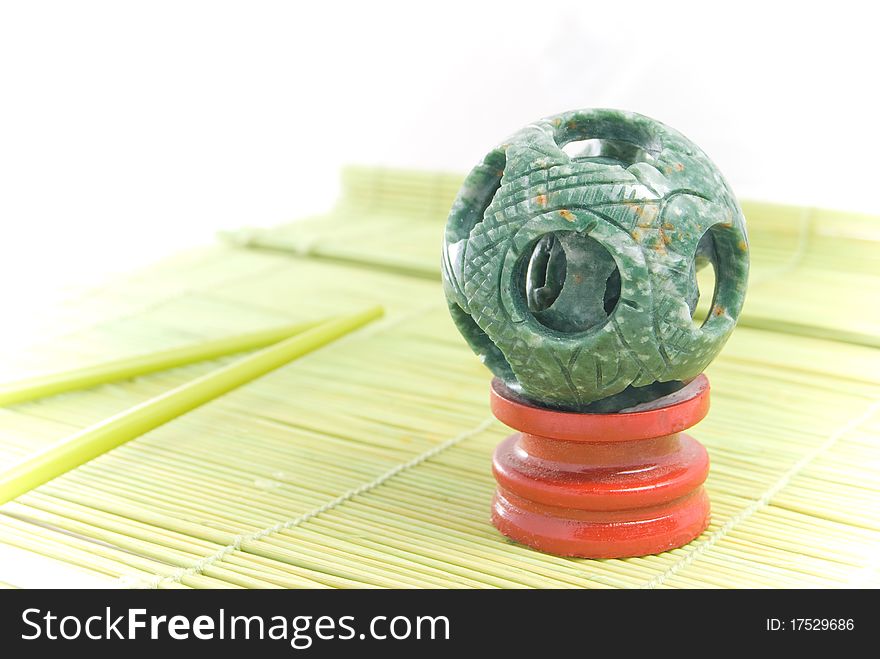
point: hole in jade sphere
(571, 282)
(608, 152)
(704, 279)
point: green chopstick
(129, 367)
(105, 435)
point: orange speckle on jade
(647, 215)
(567, 215)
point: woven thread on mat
(763, 500)
(240, 540)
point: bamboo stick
(122, 369)
(106, 435)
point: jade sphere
(570, 258)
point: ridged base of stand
(602, 485)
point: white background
(130, 130)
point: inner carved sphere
(608, 152)
(571, 282)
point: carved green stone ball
(570, 259)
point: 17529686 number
(822, 624)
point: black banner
(331, 623)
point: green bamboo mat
(366, 463)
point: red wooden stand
(601, 485)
